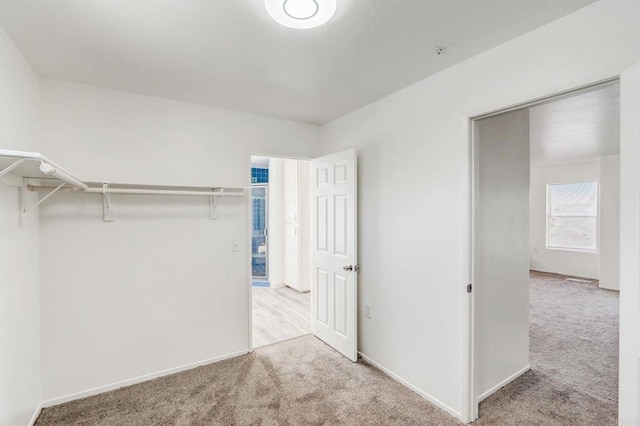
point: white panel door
(334, 248)
(629, 397)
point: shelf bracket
(107, 214)
(11, 167)
(213, 204)
(23, 205)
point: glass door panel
(259, 264)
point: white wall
(604, 264)
(305, 226)
(276, 273)
(575, 263)
(610, 222)
(414, 185)
(501, 249)
(19, 292)
(160, 287)
(277, 202)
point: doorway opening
(280, 249)
(545, 255)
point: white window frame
(548, 217)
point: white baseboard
(503, 383)
(607, 287)
(36, 414)
(563, 273)
(403, 382)
(136, 380)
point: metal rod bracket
(213, 204)
(107, 214)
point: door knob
(351, 268)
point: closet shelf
(35, 172)
(17, 165)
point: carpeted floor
(298, 382)
(574, 334)
(304, 382)
(573, 340)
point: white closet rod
(218, 193)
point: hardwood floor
(279, 314)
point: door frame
(469, 392)
(249, 226)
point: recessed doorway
(280, 255)
(546, 220)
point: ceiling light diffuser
(301, 14)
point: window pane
(572, 216)
(574, 199)
(572, 232)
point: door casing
(469, 389)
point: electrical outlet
(367, 310)
(235, 245)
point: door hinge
(469, 288)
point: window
(572, 216)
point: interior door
(629, 397)
(334, 289)
(501, 250)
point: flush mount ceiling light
(301, 14)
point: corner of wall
(20, 347)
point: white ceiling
(582, 127)
(230, 54)
(259, 162)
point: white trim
(36, 414)
(469, 406)
(250, 262)
(503, 383)
(536, 269)
(136, 380)
(586, 88)
(405, 383)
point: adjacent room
(280, 249)
(265, 212)
(549, 254)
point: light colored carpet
(574, 334)
(304, 382)
(298, 382)
(573, 340)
